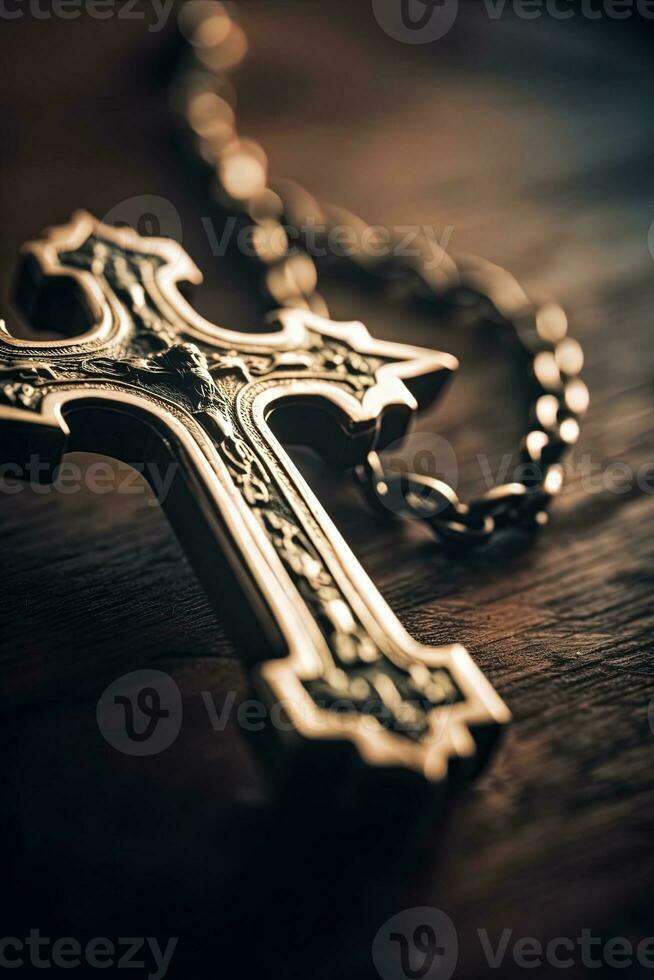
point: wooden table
(532, 141)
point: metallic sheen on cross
(145, 379)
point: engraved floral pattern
(161, 360)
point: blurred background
(529, 140)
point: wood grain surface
(533, 142)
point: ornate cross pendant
(147, 380)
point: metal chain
(275, 211)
